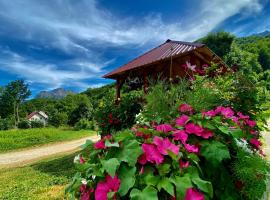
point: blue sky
(72, 43)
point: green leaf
(166, 184)
(237, 133)
(224, 129)
(150, 179)
(204, 186)
(127, 177)
(110, 166)
(163, 169)
(89, 144)
(109, 144)
(129, 152)
(149, 193)
(181, 184)
(123, 135)
(215, 152)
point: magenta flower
(180, 135)
(111, 184)
(185, 108)
(142, 159)
(152, 154)
(193, 194)
(210, 113)
(251, 123)
(86, 192)
(191, 148)
(82, 161)
(194, 129)
(255, 142)
(183, 164)
(181, 121)
(165, 128)
(165, 144)
(100, 144)
(225, 111)
(241, 116)
(207, 134)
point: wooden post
(145, 83)
(118, 88)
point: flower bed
(199, 155)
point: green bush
(83, 111)
(24, 124)
(112, 117)
(84, 124)
(37, 124)
(57, 119)
(6, 123)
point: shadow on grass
(59, 167)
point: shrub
(112, 117)
(84, 124)
(57, 119)
(6, 123)
(83, 111)
(24, 124)
(195, 155)
(37, 124)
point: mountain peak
(57, 93)
(262, 34)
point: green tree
(14, 94)
(219, 42)
(264, 57)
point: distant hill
(58, 93)
(262, 34)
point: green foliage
(85, 124)
(37, 124)
(113, 117)
(58, 119)
(83, 111)
(251, 172)
(6, 123)
(219, 42)
(24, 124)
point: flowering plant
(189, 158)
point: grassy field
(44, 180)
(18, 139)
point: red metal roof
(164, 51)
(32, 114)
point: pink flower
(191, 148)
(235, 119)
(183, 164)
(152, 154)
(182, 120)
(193, 194)
(86, 193)
(82, 161)
(255, 142)
(100, 144)
(185, 108)
(194, 129)
(111, 184)
(164, 144)
(165, 128)
(250, 123)
(210, 113)
(225, 111)
(207, 134)
(241, 116)
(180, 135)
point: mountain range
(58, 93)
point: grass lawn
(18, 138)
(44, 180)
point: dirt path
(23, 157)
(266, 146)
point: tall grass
(17, 138)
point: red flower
(255, 142)
(251, 123)
(183, 164)
(111, 184)
(82, 161)
(194, 129)
(210, 113)
(225, 111)
(180, 135)
(191, 148)
(241, 116)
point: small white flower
(191, 67)
(84, 181)
(77, 159)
